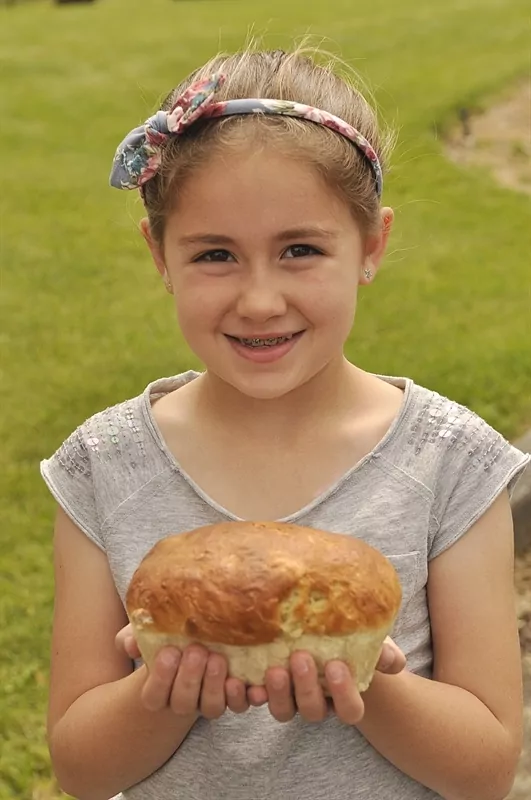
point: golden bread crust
(251, 583)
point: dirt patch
(498, 139)
(522, 784)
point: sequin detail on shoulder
(115, 432)
(73, 457)
(449, 425)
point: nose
(261, 296)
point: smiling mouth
(265, 342)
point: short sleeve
(68, 475)
(470, 478)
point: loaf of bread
(257, 592)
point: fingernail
(336, 672)
(387, 658)
(194, 659)
(213, 668)
(277, 681)
(129, 643)
(303, 665)
(170, 659)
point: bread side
(250, 584)
(249, 663)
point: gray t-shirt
(431, 477)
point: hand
(301, 691)
(194, 681)
(392, 660)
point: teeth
(266, 342)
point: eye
(301, 251)
(215, 255)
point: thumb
(126, 642)
(392, 660)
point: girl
(261, 177)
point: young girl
(262, 178)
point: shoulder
(115, 434)
(436, 433)
(104, 461)
(457, 456)
(106, 436)
(123, 435)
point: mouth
(256, 342)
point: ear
(154, 248)
(376, 245)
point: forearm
(440, 735)
(107, 741)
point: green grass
(84, 319)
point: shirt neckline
(162, 386)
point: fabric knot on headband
(139, 156)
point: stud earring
(368, 273)
(167, 284)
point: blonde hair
(276, 74)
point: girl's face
(265, 262)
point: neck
(339, 386)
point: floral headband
(139, 156)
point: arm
(460, 734)
(102, 739)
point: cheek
(200, 304)
(332, 301)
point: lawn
(86, 323)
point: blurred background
(85, 321)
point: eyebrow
(309, 232)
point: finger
(236, 696)
(121, 636)
(186, 691)
(399, 663)
(131, 648)
(279, 692)
(213, 702)
(309, 694)
(157, 688)
(126, 642)
(257, 695)
(392, 660)
(348, 704)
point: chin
(267, 381)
